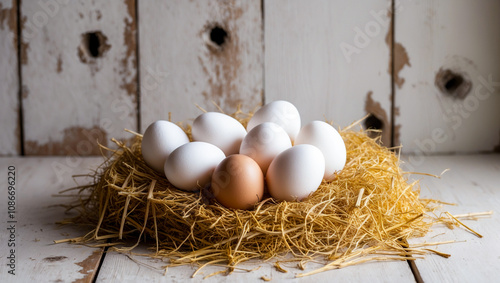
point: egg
(281, 112)
(295, 173)
(238, 182)
(328, 140)
(220, 130)
(191, 165)
(158, 142)
(264, 142)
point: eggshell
(191, 165)
(295, 173)
(328, 140)
(219, 129)
(238, 182)
(159, 140)
(281, 112)
(264, 142)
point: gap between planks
(99, 265)
(20, 78)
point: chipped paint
(25, 46)
(398, 57)
(59, 64)
(89, 266)
(77, 141)
(8, 18)
(222, 64)
(373, 107)
(55, 258)
(129, 73)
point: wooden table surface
(473, 183)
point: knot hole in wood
(453, 83)
(94, 45)
(373, 123)
(216, 36)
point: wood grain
(472, 184)
(10, 140)
(37, 209)
(183, 66)
(76, 92)
(449, 77)
(331, 59)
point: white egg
(264, 142)
(281, 112)
(328, 140)
(191, 165)
(219, 129)
(159, 140)
(295, 173)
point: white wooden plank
(36, 257)
(9, 84)
(72, 95)
(473, 184)
(133, 268)
(181, 66)
(330, 58)
(460, 36)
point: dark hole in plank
(218, 35)
(373, 123)
(93, 44)
(453, 83)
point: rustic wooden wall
(428, 74)
(199, 52)
(79, 72)
(448, 75)
(330, 58)
(10, 139)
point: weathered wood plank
(448, 76)
(131, 268)
(473, 184)
(10, 141)
(79, 75)
(34, 214)
(331, 59)
(196, 52)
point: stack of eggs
(275, 153)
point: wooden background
(73, 72)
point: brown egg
(238, 182)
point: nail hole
(452, 83)
(373, 123)
(218, 35)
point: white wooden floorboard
(473, 183)
(38, 259)
(121, 268)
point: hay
(366, 214)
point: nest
(366, 214)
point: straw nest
(367, 213)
